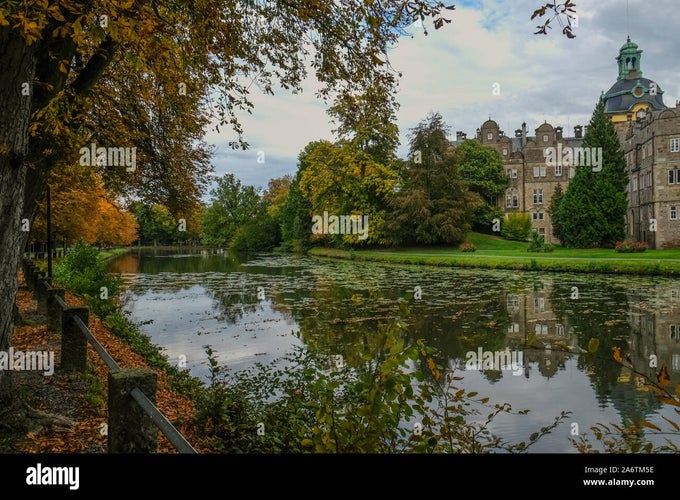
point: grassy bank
(496, 253)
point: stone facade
(649, 133)
(532, 181)
(651, 145)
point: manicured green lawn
(497, 253)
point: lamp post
(49, 234)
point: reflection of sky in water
(220, 307)
(184, 322)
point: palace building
(649, 133)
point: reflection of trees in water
(600, 312)
(338, 319)
(231, 307)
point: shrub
(467, 247)
(630, 246)
(538, 243)
(84, 274)
(516, 227)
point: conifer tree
(592, 212)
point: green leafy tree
(433, 204)
(296, 216)
(340, 179)
(232, 206)
(368, 122)
(482, 167)
(592, 212)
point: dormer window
(545, 138)
(489, 136)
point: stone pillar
(54, 309)
(130, 429)
(73, 342)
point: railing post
(41, 293)
(54, 309)
(35, 274)
(130, 429)
(26, 265)
(73, 342)
(28, 275)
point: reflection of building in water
(656, 331)
(532, 314)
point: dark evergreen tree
(434, 204)
(592, 212)
(553, 210)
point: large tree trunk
(17, 67)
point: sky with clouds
(488, 45)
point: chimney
(524, 134)
(558, 132)
(460, 135)
(578, 131)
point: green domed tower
(631, 94)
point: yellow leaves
(3, 19)
(63, 66)
(593, 345)
(649, 424)
(55, 13)
(617, 354)
(28, 29)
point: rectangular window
(538, 197)
(508, 172)
(514, 173)
(675, 145)
(538, 216)
(674, 332)
(558, 170)
(513, 302)
(635, 184)
(539, 304)
(513, 328)
(671, 176)
(541, 230)
(545, 138)
(489, 136)
(505, 151)
(541, 329)
(674, 213)
(537, 171)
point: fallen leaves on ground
(64, 393)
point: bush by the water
(82, 272)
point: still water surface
(257, 309)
